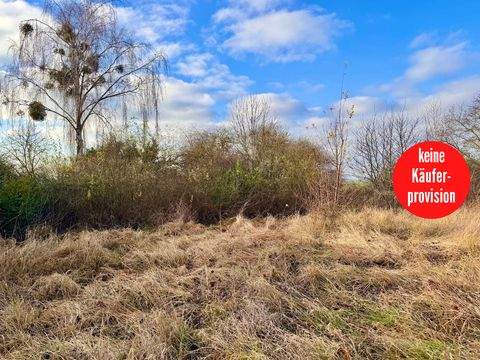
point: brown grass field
(374, 284)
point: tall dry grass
(374, 284)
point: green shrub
(7, 172)
(271, 179)
(127, 183)
(24, 201)
(118, 184)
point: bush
(126, 183)
(118, 184)
(361, 194)
(7, 171)
(270, 180)
(474, 166)
(24, 201)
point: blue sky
(395, 53)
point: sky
(388, 54)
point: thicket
(253, 167)
(135, 184)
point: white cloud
(227, 14)
(148, 20)
(289, 112)
(209, 73)
(423, 39)
(174, 49)
(278, 35)
(287, 109)
(160, 25)
(242, 9)
(13, 12)
(226, 84)
(429, 62)
(363, 105)
(186, 106)
(195, 65)
(259, 5)
(311, 87)
(191, 106)
(436, 60)
(315, 122)
(458, 92)
(152, 21)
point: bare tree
(336, 145)
(379, 142)
(436, 128)
(336, 139)
(464, 125)
(26, 147)
(76, 62)
(252, 119)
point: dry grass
(375, 284)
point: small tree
(252, 120)
(27, 148)
(336, 145)
(337, 133)
(77, 62)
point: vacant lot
(374, 284)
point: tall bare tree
(379, 142)
(336, 147)
(336, 140)
(76, 62)
(252, 119)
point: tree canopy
(76, 63)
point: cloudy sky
(393, 52)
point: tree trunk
(79, 140)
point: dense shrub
(128, 183)
(118, 184)
(360, 194)
(6, 171)
(24, 200)
(474, 166)
(270, 180)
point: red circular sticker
(431, 179)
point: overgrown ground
(375, 284)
